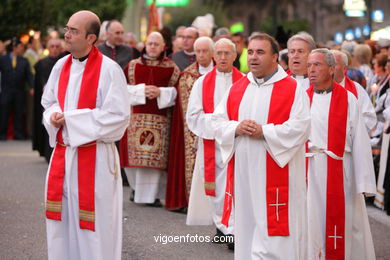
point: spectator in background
(362, 55)
(241, 62)
(15, 73)
(353, 73)
(130, 40)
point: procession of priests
(278, 161)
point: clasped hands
(57, 119)
(152, 92)
(250, 128)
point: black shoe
(156, 204)
(182, 210)
(230, 246)
(132, 194)
(219, 237)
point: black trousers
(13, 101)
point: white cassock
(303, 81)
(285, 143)
(359, 178)
(365, 106)
(105, 124)
(203, 209)
(148, 184)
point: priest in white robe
(299, 46)
(340, 168)
(261, 125)
(364, 101)
(86, 111)
(208, 192)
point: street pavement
(22, 223)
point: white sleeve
(284, 140)
(167, 97)
(361, 153)
(137, 94)
(50, 103)
(197, 120)
(366, 108)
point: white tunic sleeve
(224, 129)
(197, 120)
(367, 109)
(137, 94)
(167, 97)
(284, 140)
(107, 122)
(50, 103)
(361, 153)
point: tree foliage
(18, 16)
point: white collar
(204, 70)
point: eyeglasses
(72, 31)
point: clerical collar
(325, 91)
(109, 45)
(189, 53)
(204, 70)
(146, 56)
(82, 58)
(266, 78)
(299, 76)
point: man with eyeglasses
(209, 177)
(186, 57)
(40, 139)
(114, 48)
(86, 111)
(144, 147)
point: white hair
(303, 36)
(206, 40)
(343, 56)
(328, 55)
(228, 42)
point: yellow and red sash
(86, 157)
(350, 86)
(277, 183)
(208, 90)
(335, 200)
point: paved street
(22, 225)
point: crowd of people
(276, 147)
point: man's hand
(250, 128)
(152, 92)
(57, 119)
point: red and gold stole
(282, 99)
(350, 86)
(86, 157)
(208, 90)
(335, 200)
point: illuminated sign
(377, 16)
(354, 8)
(339, 37)
(349, 35)
(169, 2)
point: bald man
(186, 57)
(86, 111)
(144, 147)
(114, 48)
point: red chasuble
(86, 154)
(208, 90)
(335, 201)
(350, 86)
(282, 99)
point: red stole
(335, 201)
(208, 90)
(282, 99)
(86, 157)
(350, 86)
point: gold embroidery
(53, 206)
(87, 215)
(209, 185)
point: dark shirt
(183, 60)
(122, 54)
(14, 79)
